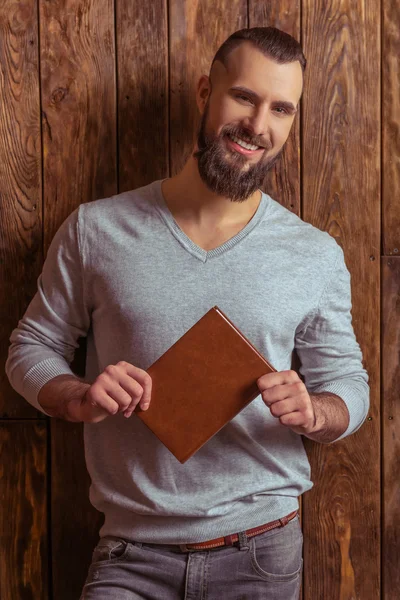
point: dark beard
(224, 177)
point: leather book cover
(202, 382)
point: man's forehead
(249, 67)
(242, 56)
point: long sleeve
(331, 358)
(44, 342)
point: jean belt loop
(183, 548)
(243, 541)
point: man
(134, 272)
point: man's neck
(190, 200)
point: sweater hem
(186, 530)
(39, 375)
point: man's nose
(258, 124)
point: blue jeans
(265, 567)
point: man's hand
(287, 398)
(119, 388)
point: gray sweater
(121, 272)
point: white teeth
(243, 144)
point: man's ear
(203, 92)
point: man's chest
(149, 303)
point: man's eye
(283, 110)
(243, 97)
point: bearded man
(133, 273)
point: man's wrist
(331, 417)
(61, 396)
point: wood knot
(58, 95)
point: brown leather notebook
(201, 382)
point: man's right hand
(119, 388)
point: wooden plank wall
(341, 194)
(98, 98)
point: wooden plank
(80, 165)
(390, 295)
(78, 106)
(283, 181)
(197, 29)
(20, 181)
(75, 523)
(142, 42)
(23, 518)
(341, 194)
(390, 429)
(390, 127)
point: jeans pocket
(278, 558)
(277, 577)
(110, 550)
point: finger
(108, 382)
(132, 380)
(136, 392)
(123, 398)
(144, 405)
(293, 419)
(133, 388)
(97, 402)
(284, 407)
(145, 381)
(269, 380)
(281, 392)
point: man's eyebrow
(288, 105)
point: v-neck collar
(185, 240)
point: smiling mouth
(243, 146)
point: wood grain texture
(391, 127)
(197, 29)
(341, 194)
(283, 181)
(390, 426)
(20, 180)
(142, 42)
(75, 523)
(23, 514)
(78, 104)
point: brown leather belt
(229, 540)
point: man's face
(253, 102)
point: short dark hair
(272, 42)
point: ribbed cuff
(40, 374)
(356, 399)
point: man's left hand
(287, 398)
